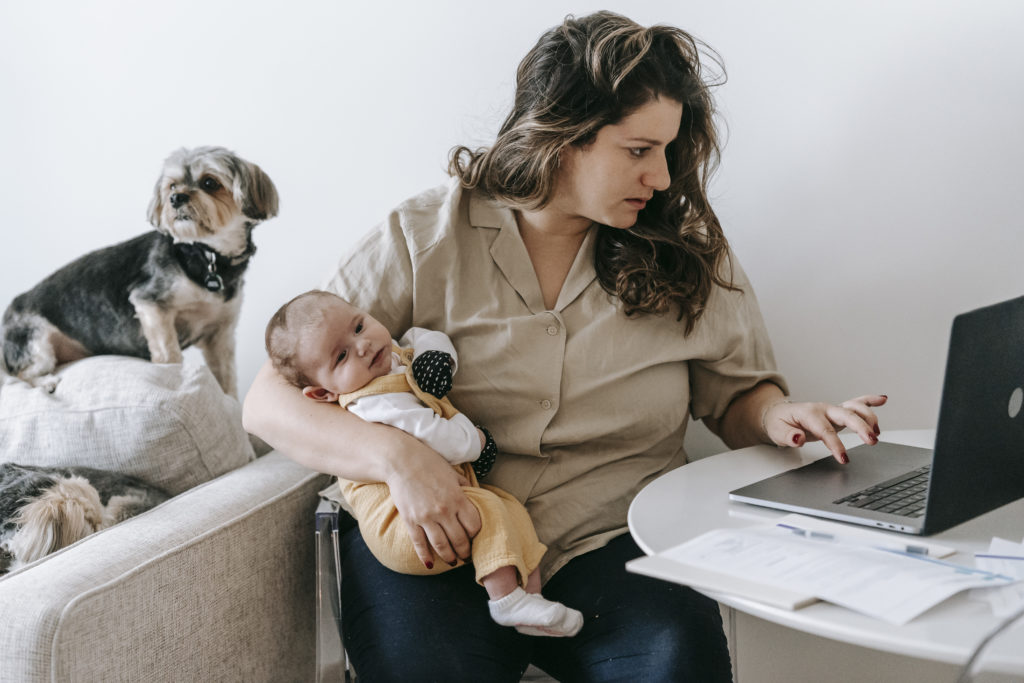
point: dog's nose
(179, 198)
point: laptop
(977, 463)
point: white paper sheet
(1003, 557)
(892, 586)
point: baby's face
(347, 350)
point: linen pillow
(168, 424)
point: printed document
(883, 582)
(1003, 557)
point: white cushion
(168, 424)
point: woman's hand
(793, 424)
(424, 487)
(440, 519)
(764, 414)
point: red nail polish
(796, 439)
(878, 430)
(844, 458)
(453, 563)
(429, 565)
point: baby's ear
(319, 394)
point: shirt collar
(510, 256)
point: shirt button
(552, 330)
(545, 404)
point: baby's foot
(534, 615)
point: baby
(335, 352)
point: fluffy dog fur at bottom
(43, 509)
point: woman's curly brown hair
(589, 73)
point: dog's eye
(209, 184)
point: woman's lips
(637, 204)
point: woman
(585, 281)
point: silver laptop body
(976, 466)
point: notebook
(976, 465)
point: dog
(43, 509)
(160, 292)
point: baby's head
(326, 346)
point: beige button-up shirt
(586, 405)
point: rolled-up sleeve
(738, 353)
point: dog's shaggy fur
(43, 509)
(160, 292)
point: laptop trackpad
(823, 481)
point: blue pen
(908, 548)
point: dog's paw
(166, 356)
(47, 383)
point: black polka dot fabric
(485, 462)
(432, 371)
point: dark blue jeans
(438, 628)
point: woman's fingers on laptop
(805, 422)
(823, 421)
(862, 422)
(862, 406)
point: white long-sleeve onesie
(456, 439)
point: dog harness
(208, 268)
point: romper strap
(389, 384)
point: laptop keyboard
(902, 495)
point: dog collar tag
(212, 281)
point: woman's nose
(657, 176)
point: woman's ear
(319, 394)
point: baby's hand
(432, 371)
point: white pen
(909, 548)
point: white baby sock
(534, 615)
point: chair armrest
(214, 584)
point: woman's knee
(635, 627)
(399, 627)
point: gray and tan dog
(160, 292)
(44, 509)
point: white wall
(871, 182)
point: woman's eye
(638, 151)
(209, 184)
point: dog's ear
(155, 205)
(254, 192)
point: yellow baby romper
(506, 538)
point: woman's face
(610, 180)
